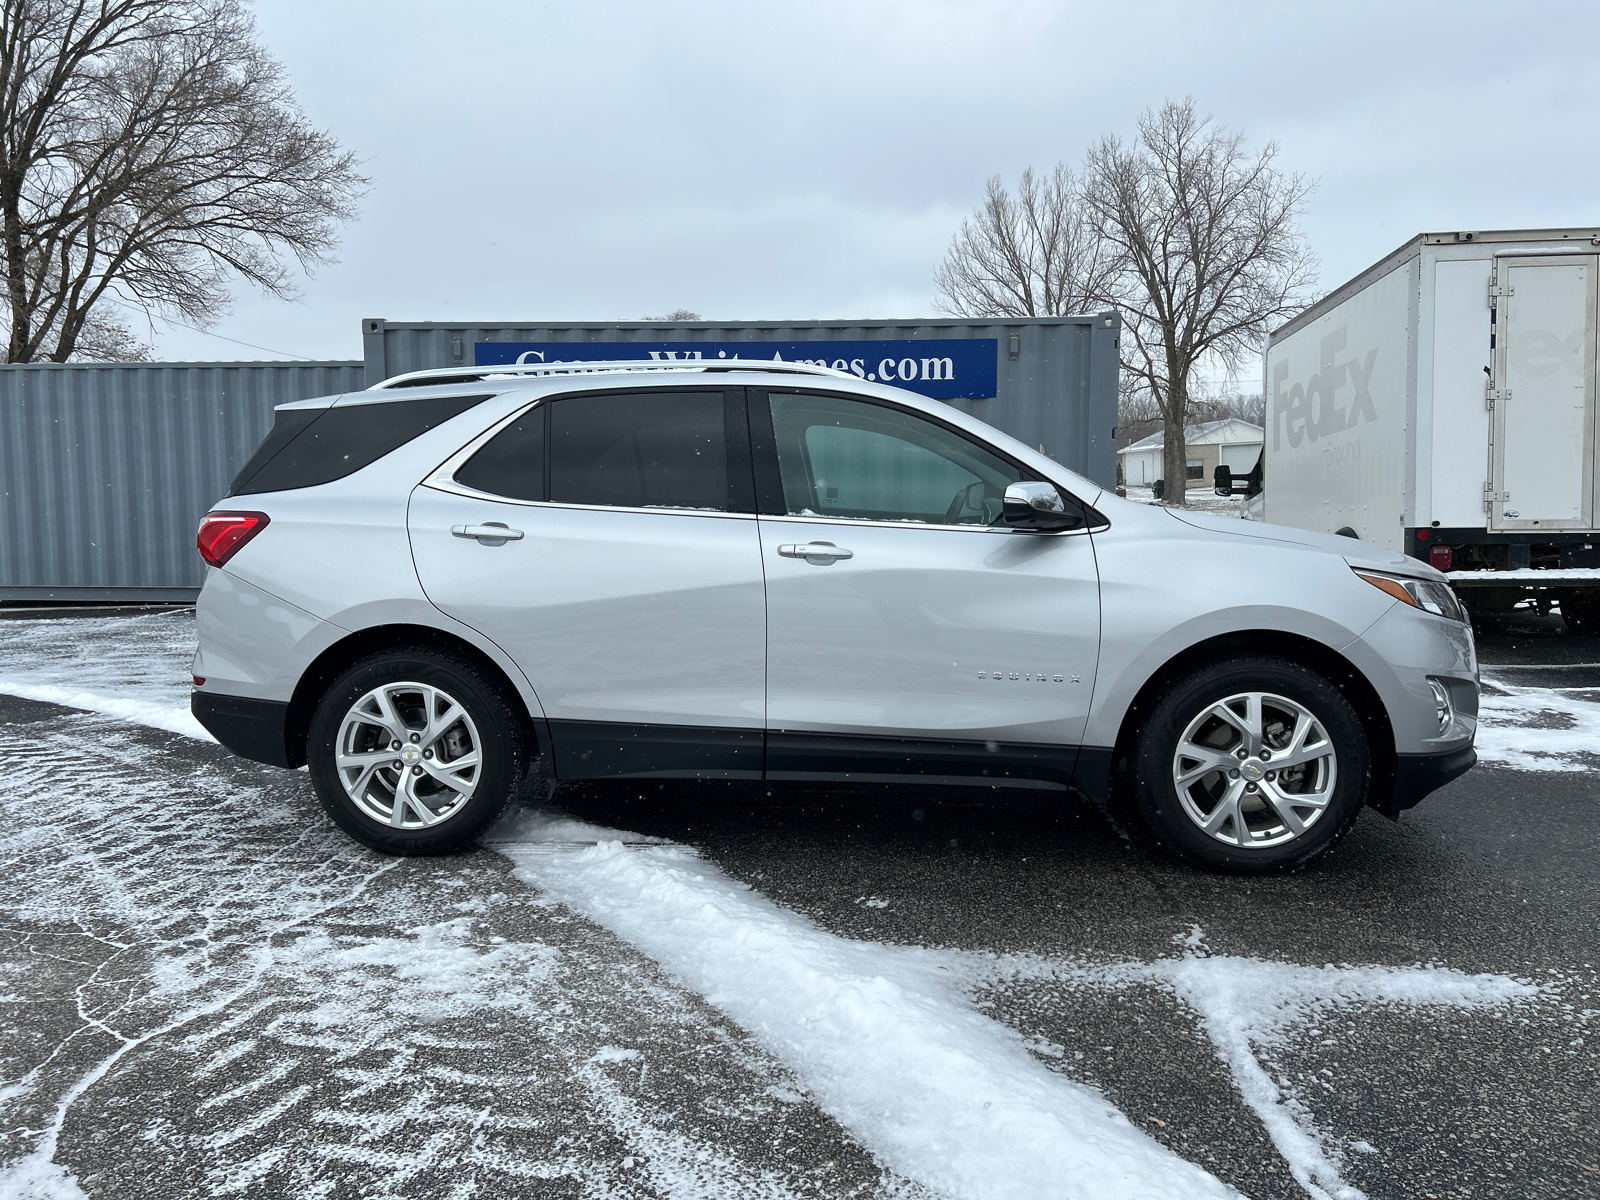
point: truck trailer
(1443, 403)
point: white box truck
(1443, 403)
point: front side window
(849, 458)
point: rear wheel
(1251, 765)
(417, 751)
(1580, 610)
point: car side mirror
(1039, 506)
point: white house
(1231, 443)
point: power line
(205, 332)
(235, 341)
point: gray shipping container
(1056, 377)
(105, 470)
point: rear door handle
(490, 533)
(816, 552)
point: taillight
(223, 533)
(1440, 557)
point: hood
(1355, 552)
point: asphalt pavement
(153, 886)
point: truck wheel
(417, 751)
(1251, 765)
(1580, 611)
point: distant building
(1232, 443)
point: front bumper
(1416, 776)
(253, 729)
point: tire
(1265, 829)
(449, 799)
(1580, 611)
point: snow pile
(132, 668)
(1249, 1008)
(885, 1044)
(1537, 729)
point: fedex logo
(1316, 409)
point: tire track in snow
(219, 993)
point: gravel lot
(775, 991)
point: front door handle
(490, 533)
(819, 553)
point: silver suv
(452, 590)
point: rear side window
(653, 450)
(311, 446)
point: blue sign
(942, 369)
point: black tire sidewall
(503, 745)
(1157, 796)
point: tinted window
(653, 450)
(849, 458)
(512, 462)
(339, 441)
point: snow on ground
(1248, 1008)
(887, 1039)
(212, 991)
(941, 1093)
(135, 667)
(1538, 729)
(1196, 499)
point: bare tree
(1220, 402)
(1028, 255)
(678, 314)
(1208, 252)
(150, 153)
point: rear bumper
(1416, 776)
(253, 729)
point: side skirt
(604, 750)
(869, 759)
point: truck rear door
(1542, 456)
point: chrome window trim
(857, 523)
(457, 489)
(442, 477)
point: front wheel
(1251, 765)
(417, 751)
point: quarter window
(862, 461)
(512, 463)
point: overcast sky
(752, 160)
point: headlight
(1425, 594)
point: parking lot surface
(753, 990)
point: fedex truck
(1443, 403)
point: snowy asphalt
(208, 990)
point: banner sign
(943, 369)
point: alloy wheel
(408, 755)
(1255, 770)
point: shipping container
(1442, 403)
(107, 468)
(1048, 381)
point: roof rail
(446, 375)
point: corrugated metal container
(1055, 377)
(105, 470)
